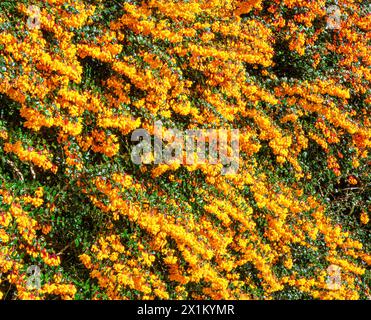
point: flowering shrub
(78, 77)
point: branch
(33, 171)
(16, 170)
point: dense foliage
(78, 76)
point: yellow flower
(364, 218)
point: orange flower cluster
(19, 236)
(75, 88)
(41, 158)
